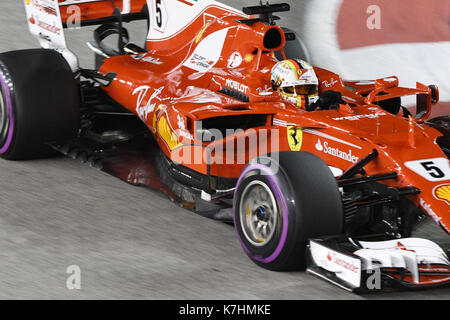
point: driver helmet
(296, 81)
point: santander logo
(336, 152)
(332, 257)
(319, 146)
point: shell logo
(166, 133)
(443, 193)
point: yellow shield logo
(443, 193)
(295, 137)
(166, 133)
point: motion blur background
(358, 39)
(134, 243)
(367, 39)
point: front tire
(39, 103)
(282, 201)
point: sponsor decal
(48, 27)
(235, 60)
(336, 152)
(442, 192)
(50, 10)
(295, 137)
(47, 6)
(207, 53)
(343, 266)
(430, 211)
(319, 146)
(200, 62)
(333, 258)
(329, 84)
(153, 60)
(232, 84)
(144, 109)
(282, 71)
(266, 91)
(166, 133)
(149, 59)
(45, 23)
(362, 116)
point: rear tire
(39, 103)
(297, 197)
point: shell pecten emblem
(443, 193)
(294, 137)
(167, 134)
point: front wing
(364, 266)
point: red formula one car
(219, 111)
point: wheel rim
(4, 119)
(258, 213)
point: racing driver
(297, 83)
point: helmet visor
(303, 89)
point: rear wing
(47, 19)
(83, 13)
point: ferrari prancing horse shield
(295, 137)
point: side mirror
(425, 100)
(434, 94)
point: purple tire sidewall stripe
(274, 185)
(7, 94)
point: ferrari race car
(335, 183)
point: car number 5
(159, 20)
(432, 170)
(436, 169)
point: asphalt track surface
(130, 242)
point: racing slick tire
(39, 103)
(280, 202)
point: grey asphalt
(129, 242)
